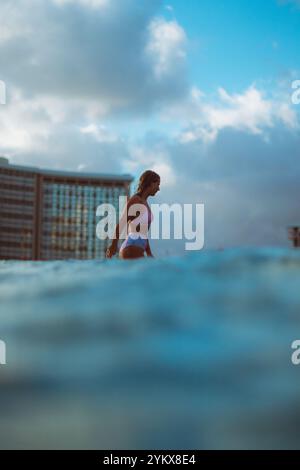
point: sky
(198, 90)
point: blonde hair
(147, 178)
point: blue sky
(236, 42)
(199, 91)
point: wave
(182, 352)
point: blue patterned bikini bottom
(134, 239)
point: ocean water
(176, 353)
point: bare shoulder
(135, 199)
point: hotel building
(46, 215)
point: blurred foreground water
(178, 353)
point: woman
(136, 242)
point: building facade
(46, 215)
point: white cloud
(157, 158)
(250, 112)
(166, 46)
(25, 123)
(84, 3)
(12, 21)
(84, 54)
(166, 172)
(100, 133)
(287, 115)
(169, 8)
(81, 167)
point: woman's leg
(131, 252)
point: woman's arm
(120, 227)
(148, 250)
(113, 248)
